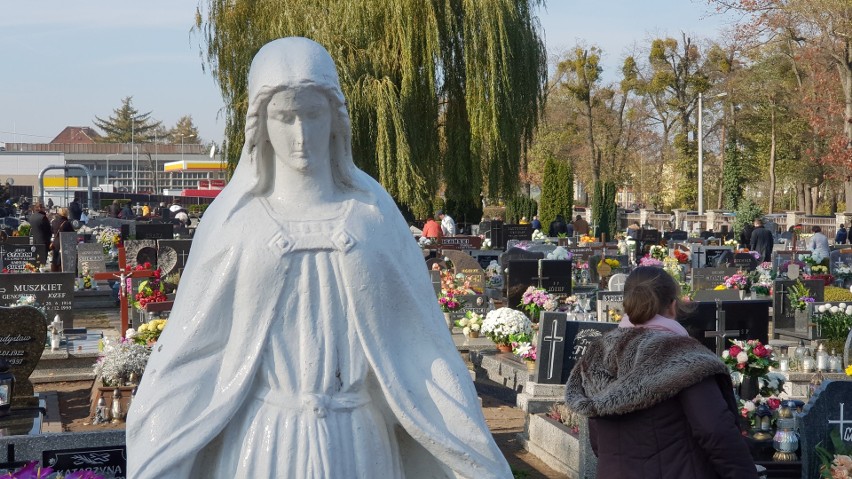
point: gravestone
(154, 231)
(581, 254)
(784, 315)
(110, 461)
(541, 248)
(495, 232)
(515, 254)
(522, 274)
(14, 258)
(23, 331)
(465, 264)
(826, 411)
(779, 257)
(181, 248)
(139, 252)
(517, 232)
(561, 343)
(717, 294)
(93, 254)
(435, 278)
(718, 256)
(485, 259)
(122, 225)
(743, 319)
(68, 252)
(610, 305)
(461, 242)
(476, 303)
(555, 276)
(839, 256)
(53, 291)
(41, 250)
(709, 278)
(745, 261)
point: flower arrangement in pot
(525, 350)
(738, 281)
(471, 324)
(148, 333)
(504, 325)
(800, 296)
(752, 360)
(835, 322)
(535, 300)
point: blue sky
(62, 63)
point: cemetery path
(74, 399)
(506, 422)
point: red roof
(76, 135)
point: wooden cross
(122, 288)
(553, 339)
(720, 334)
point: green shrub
(835, 294)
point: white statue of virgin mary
(306, 341)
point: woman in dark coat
(660, 404)
(60, 224)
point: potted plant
(526, 351)
(535, 300)
(800, 296)
(503, 325)
(834, 323)
(471, 324)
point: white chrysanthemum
(822, 308)
(742, 357)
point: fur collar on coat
(632, 369)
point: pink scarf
(658, 322)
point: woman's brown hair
(650, 291)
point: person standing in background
(448, 225)
(581, 226)
(841, 236)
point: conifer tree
(127, 125)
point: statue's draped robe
(311, 348)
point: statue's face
(298, 123)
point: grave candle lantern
(783, 363)
(785, 442)
(7, 387)
(821, 358)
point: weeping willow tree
(440, 91)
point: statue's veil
(287, 64)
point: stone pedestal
(554, 444)
(538, 398)
(680, 217)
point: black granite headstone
(485, 259)
(517, 232)
(181, 247)
(23, 331)
(514, 254)
(522, 274)
(140, 252)
(716, 294)
(784, 315)
(556, 276)
(718, 257)
(561, 343)
(68, 252)
(581, 254)
(825, 412)
(745, 261)
(109, 461)
(53, 291)
(154, 231)
(476, 303)
(461, 242)
(14, 258)
(750, 318)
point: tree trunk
(772, 161)
(800, 196)
(722, 168)
(814, 199)
(846, 77)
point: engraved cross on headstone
(700, 254)
(540, 276)
(555, 341)
(783, 291)
(183, 255)
(720, 334)
(841, 422)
